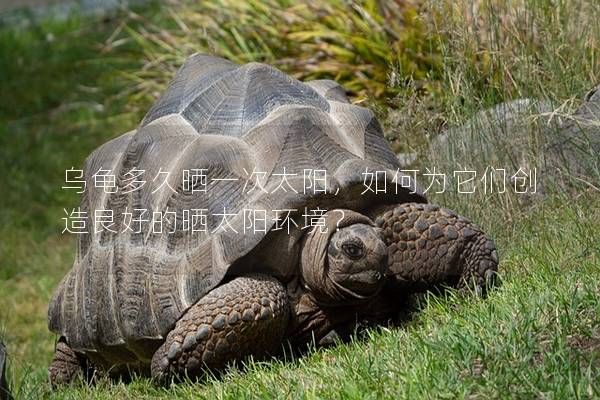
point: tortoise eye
(353, 250)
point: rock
(490, 136)
(530, 136)
(573, 151)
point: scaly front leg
(430, 247)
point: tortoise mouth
(360, 275)
(364, 283)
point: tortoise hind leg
(246, 316)
(68, 366)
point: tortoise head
(344, 262)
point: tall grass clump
(433, 64)
(532, 61)
(362, 44)
(494, 51)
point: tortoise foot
(67, 366)
(246, 316)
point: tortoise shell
(236, 124)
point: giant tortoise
(337, 234)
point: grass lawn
(68, 86)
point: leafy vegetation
(360, 44)
(70, 85)
(433, 62)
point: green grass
(69, 86)
(536, 336)
(61, 98)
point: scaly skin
(430, 246)
(248, 315)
